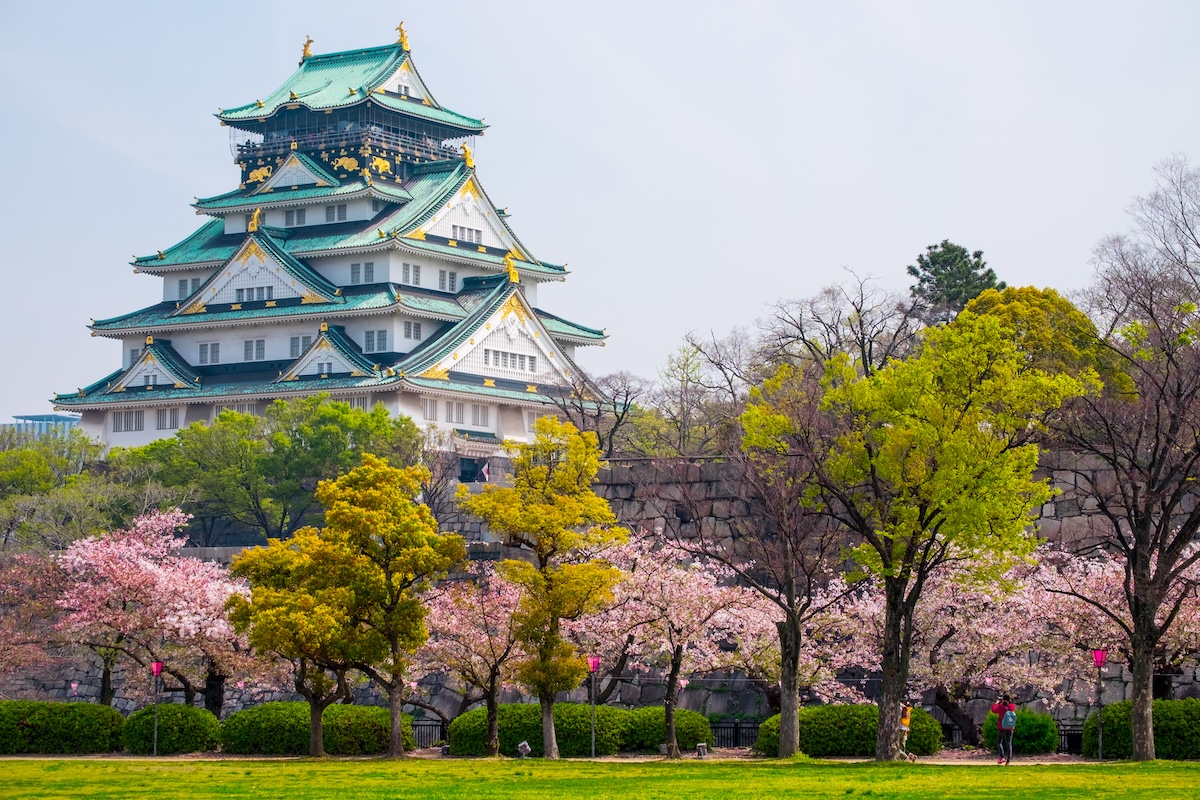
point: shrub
(1035, 733)
(181, 729)
(275, 729)
(848, 730)
(28, 726)
(523, 722)
(282, 729)
(646, 729)
(361, 730)
(1176, 730)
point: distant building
(359, 256)
(42, 424)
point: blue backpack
(1009, 721)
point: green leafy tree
(551, 511)
(301, 608)
(924, 462)
(387, 547)
(262, 472)
(948, 277)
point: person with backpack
(905, 727)
(1006, 723)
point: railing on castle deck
(429, 732)
(734, 733)
(424, 148)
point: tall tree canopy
(948, 277)
(551, 511)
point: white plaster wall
(171, 282)
(336, 269)
(512, 337)
(278, 340)
(356, 210)
(472, 212)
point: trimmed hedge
(28, 726)
(646, 729)
(523, 722)
(181, 729)
(1176, 730)
(282, 729)
(1035, 733)
(848, 730)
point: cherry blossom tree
(473, 635)
(29, 585)
(127, 592)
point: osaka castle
(359, 256)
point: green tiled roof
(172, 362)
(95, 394)
(345, 79)
(434, 351)
(239, 199)
(495, 392)
(345, 346)
(558, 326)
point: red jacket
(999, 710)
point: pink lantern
(241, 684)
(593, 663)
(74, 687)
(988, 680)
(683, 682)
(156, 668)
(1099, 656)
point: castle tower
(358, 256)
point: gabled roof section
(165, 367)
(564, 329)
(349, 78)
(270, 266)
(503, 311)
(297, 170)
(332, 347)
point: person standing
(905, 727)
(1006, 723)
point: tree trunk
(106, 687)
(789, 688)
(549, 739)
(895, 672)
(493, 717)
(956, 714)
(669, 702)
(214, 692)
(316, 728)
(1141, 664)
(396, 709)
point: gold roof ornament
(293, 96)
(324, 327)
(149, 340)
(307, 52)
(255, 220)
(402, 40)
(161, 255)
(511, 266)
(470, 159)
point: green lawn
(479, 779)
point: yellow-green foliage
(552, 510)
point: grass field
(478, 779)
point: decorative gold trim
(305, 53)
(513, 306)
(489, 382)
(324, 327)
(417, 234)
(529, 387)
(149, 340)
(402, 40)
(252, 247)
(235, 307)
(270, 304)
(467, 155)
(452, 242)
(513, 276)
(311, 297)
(437, 373)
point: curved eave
(265, 200)
(246, 117)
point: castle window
(356, 273)
(150, 379)
(167, 418)
(195, 285)
(463, 234)
(183, 289)
(254, 293)
(134, 354)
(375, 341)
(127, 421)
(324, 367)
(300, 344)
(479, 415)
(442, 279)
(255, 349)
(210, 353)
(239, 408)
(416, 274)
(454, 412)
(517, 362)
(412, 330)
(453, 287)
(405, 273)
(369, 272)
(360, 403)
(294, 217)
(335, 213)
(429, 408)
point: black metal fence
(429, 732)
(1070, 738)
(734, 733)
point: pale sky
(690, 161)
